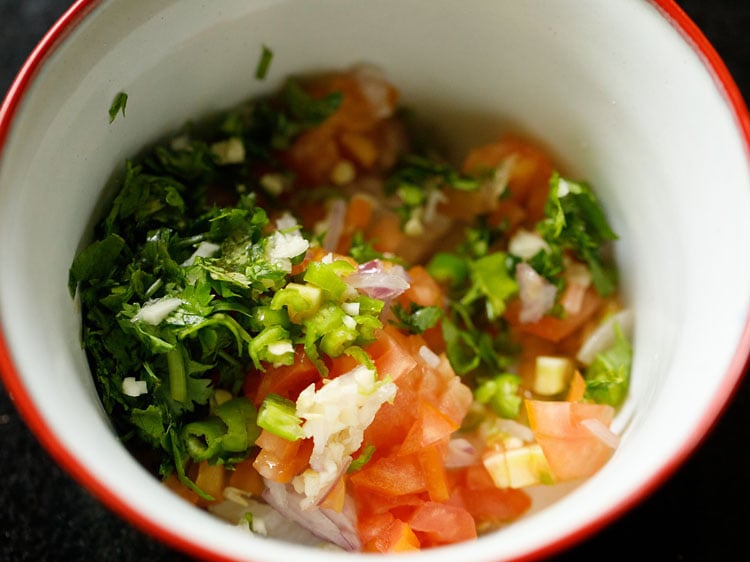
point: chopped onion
(335, 224)
(603, 337)
(536, 293)
(285, 244)
(351, 308)
(526, 244)
(132, 387)
(266, 520)
(461, 453)
(286, 221)
(336, 416)
(337, 528)
(154, 312)
(376, 280)
(601, 432)
(429, 357)
(204, 250)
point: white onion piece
(526, 244)
(266, 520)
(327, 524)
(204, 250)
(335, 224)
(379, 282)
(601, 432)
(536, 293)
(603, 337)
(429, 357)
(155, 311)
(461, 453)
(133, 387)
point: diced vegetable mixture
(307, 321)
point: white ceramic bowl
(627, 94)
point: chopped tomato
(392, 476)
(351, 133)
(572, 451)
(212, 480)
(438, 523)
(360, 148)
(173, 483)
(359, 212)
(577, 387)
(281, 460)
(530, 173)
(430, 427)
(286, 380)
(431, 460)
(386, 533)
(474, 490)
(371, 502)
(384, 231)
(336, 496)
(390, 354)
(423, 289)
(245, 477)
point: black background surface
(702, 513)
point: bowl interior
(616, 94)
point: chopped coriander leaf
(261, 70)
(575, 221)
(416, 319)
(362, 250)
(449, 269)
(492, 282)
(608, 376)
(417, 173)
(461, 348)
(306, 109)
(416, 178)
(118, 106)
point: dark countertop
(702, 513)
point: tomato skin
(286, 380)
(438, 524)
(392, 476)
(390, 353)
(474, 490)
(436, 478)
(572, 451)
(430, 427)
(386, 533)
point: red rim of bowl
(46, 436)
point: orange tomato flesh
(571, 450)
